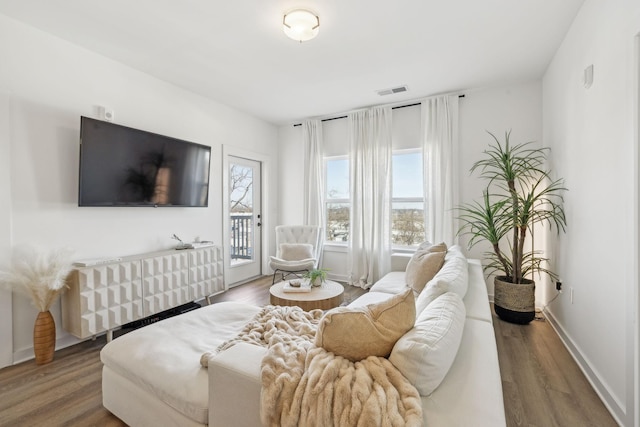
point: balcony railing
(241, 236)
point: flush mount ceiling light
(301, 25)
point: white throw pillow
(296, 251)
(453, 276)
(425, 354)
(454, 251)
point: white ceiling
(236, 53)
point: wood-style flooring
(542, 385)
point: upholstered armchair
(297, 250)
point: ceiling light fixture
(301, 25)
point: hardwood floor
(542, 385)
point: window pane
(407, 175)
(240, 188)
(337, 176)
(337, 222)
(407, 223)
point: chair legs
(285, 274)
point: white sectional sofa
(152, 376)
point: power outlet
(559, 286)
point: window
(337, 199)
(407, 203)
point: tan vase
(515, 302)
(44, 338)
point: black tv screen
(122, 166)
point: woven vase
(515, 302)
(44, 338)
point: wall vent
(393, 90)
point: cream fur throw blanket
(304, 385)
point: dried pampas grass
(38, 273)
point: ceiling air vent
(398, 89)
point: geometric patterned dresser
(104, 297)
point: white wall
(53, 83)
(592, 134)
(6, 312)
(517, 107)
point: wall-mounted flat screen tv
(122, 166)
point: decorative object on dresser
(520, 194)
(41, 275)
(104, 297)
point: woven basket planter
(515, 302)
(44, 338)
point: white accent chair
(297, 250)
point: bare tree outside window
(240, 188)
(241, 209)
(407, 226)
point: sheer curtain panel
(439, 132)
(370, 164)
(314, 182)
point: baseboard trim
(26, 353)
(343, 278)
(613, 405)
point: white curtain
(439, 132)
(370, 165)
(313, 183)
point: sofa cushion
(476, 299)
(391, 283)
(296, 251)
(371, 298)
(422, 267)
(372, 330)
(425, 353)
(162, 358)
(471, 394)
(453, 276)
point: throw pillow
(452, 277)
(372, 330)
(423, 265)
(296, 251)
(424, 245)
(425, 354)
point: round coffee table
(324, 297)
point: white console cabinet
(104, 297)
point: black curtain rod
(393, 108)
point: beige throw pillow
(372, 330)
(424, 265)
(296, 251)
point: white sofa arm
(399, 261)
(235, 385)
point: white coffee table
(324, 297)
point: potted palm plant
(520, 193)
